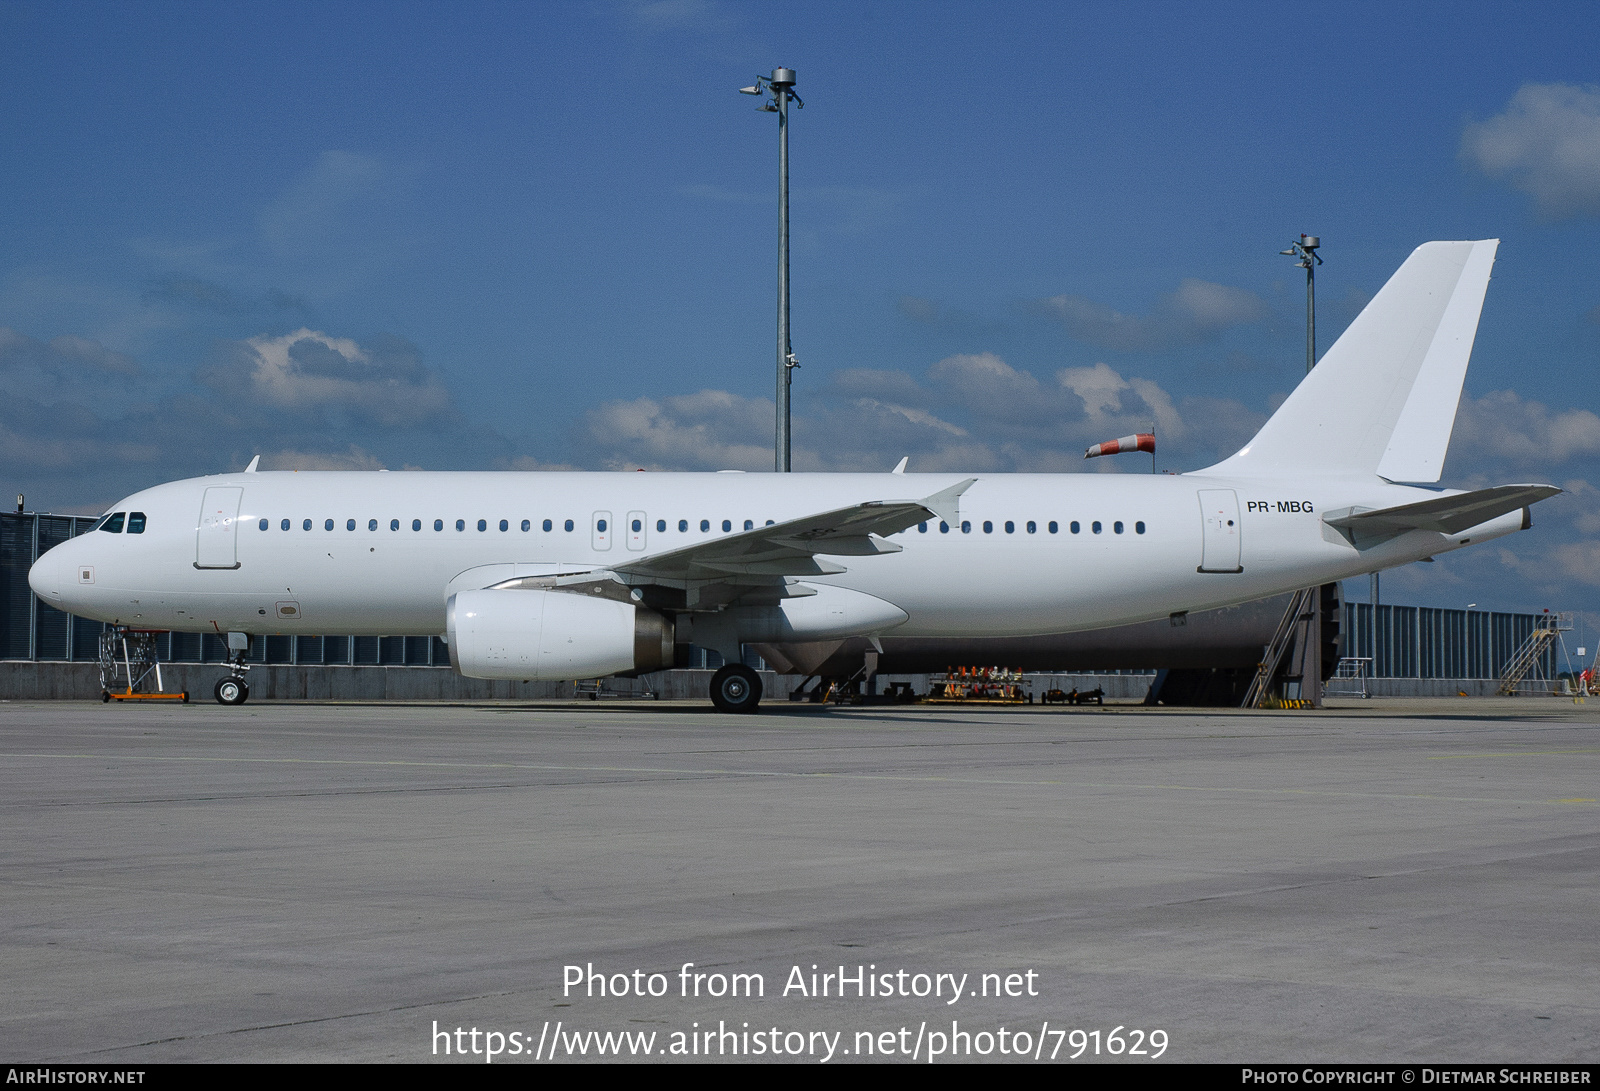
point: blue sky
(525, 235)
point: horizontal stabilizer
(1446, 514)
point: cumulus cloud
(1546, 143)
(384, 383)
(1197, 311)
(1500, 425)
(969, 412)
(708, 430)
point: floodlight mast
(1306, 250)
(780, 85)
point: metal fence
(1429, 642)
(1407, 642)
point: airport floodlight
(1305, 248)
(780, 86)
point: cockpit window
(136, 522)
(113, 523)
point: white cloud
(306, 370)
(1501, 425)
(1197, 311)
(975, 412)
(1546, 143)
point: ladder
(1527, 657)
(1299, 609)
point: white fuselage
(373, 573)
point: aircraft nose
(53, 575)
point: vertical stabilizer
(1383, 399)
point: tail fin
(1383, 399)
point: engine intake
(553, 636)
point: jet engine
(553, 636)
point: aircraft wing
(796, 547)
(1446, 514)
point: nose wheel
(736, 688)
(232, 691)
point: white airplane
(564, 576)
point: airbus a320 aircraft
(564, 576)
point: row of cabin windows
(483, 524)
(112, 524)
(136, 525)
(1053, 527)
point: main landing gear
(736, 688)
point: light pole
(1305, 248)
(780, 85)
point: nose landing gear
(233, 690)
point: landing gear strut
(233, 690)
(736, 688)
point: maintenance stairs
(1528, 658)
(1300, 610)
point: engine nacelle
(553, 636)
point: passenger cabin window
(749, 524)
(548, 525)
(568, 525)
(416, 524)
(349, 524)
(1011, 528)
(922, 528)
(438, 524)
(683, 526)
(944, 528)
(372, 524)
(988, 527)
(306, 525)
(966, 526)
(661, 526)
(461, 524)
(1138, 528)
(527, 525)
(483, 525)
(1095, 526)
(1054, 526)
(394, 524)
(113, 523)
(1117, 526)
(264, 524)
(284, 525)
(1032, 526)
(1075, 527)
(328, 525)
(727, 525)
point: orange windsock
(1144, 441)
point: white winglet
(900, 469)
(254, 462)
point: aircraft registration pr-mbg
(564, 576)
